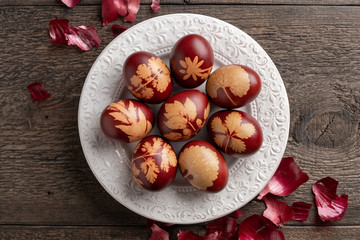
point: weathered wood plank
(192, 2)
(140, 233)
(44, 178)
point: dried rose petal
(155, 5)
(278, 212)
(111, 9)
(236, 214)
(151, 222)
(70, 3)
(158, 233)
(330, 206)
(85, 37)
(287, 178)
(189, 235)
(227, 226)
(57, 30)
(301, 210)
(133, 8)
(37, 92)
(117, 30)
(258, 227)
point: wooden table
(47, 190)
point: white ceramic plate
(111, 161)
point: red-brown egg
(233, 86)
(235, 132)
(183, 115)
(191, 60)
(203, 166)
(126, 120)
(154, 163)
(147, 77)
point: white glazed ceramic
(111, 161)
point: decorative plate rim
(109, 161)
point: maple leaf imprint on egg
(194, 159)
(232, 131)
(132, 120)
(155, 73)
(236, 81)
(179, 117)
(192, 69)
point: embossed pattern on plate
(180, 203)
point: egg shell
(235, 132)
(147, 77)
(183, 115)
(233, 86)
(154, 163)
(203, 166)
(126, 120)
(191, 60)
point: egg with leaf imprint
(203, 166)
(235, 132)
(233, 86)
(183, 115)
(126, 120)
(147, 77)
(154, 163)
(191, 60)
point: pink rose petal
(278, 212)
(301, 210)
(287, 178)
(330, 206)
(85, 37)
(70, 3)
(258, 227)
(155, 5)
(189, 235)
(226, 226)
(57, 30)
(117, 30)
(133, 8)
(111, 9)
(158, 233)
(37, 91)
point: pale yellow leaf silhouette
(150, 168)
(192, 161)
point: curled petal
(117, 30)
(57, 30)
(133, 8)
(111, 9)
(330, 206)
(287, 178)
(155, 5)
(227, 226)
(278, 212)
(301, 210)
(269, 233)
(37, 92)
(151, 222)
(158, 233)
(189, 235)
(85, 37)
(259, 228)
(70, 3)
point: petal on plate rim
(278, 212)
(287, 178)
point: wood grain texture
(44, 178)
(192, 2)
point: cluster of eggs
(182, 115)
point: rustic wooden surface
(47, 190)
